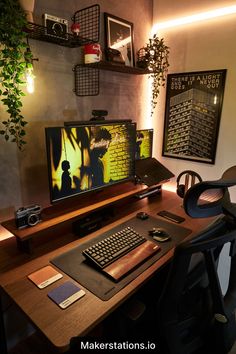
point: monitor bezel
(96, 121)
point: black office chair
(194, 316)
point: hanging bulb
(29, 77)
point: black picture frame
(192, 115)
(119, 35)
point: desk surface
(78, 319)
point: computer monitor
(144, 143)
(89, 157)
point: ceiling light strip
(195, 18)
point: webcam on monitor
(99, 114)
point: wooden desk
(59, 326)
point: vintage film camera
(55, 26)
(28, 216)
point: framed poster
(119, 36)
(192, 115)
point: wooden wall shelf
(107, 65)
(39, 32)
(89, 20)
(87, 75)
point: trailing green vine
(14, 59)
(154, 56)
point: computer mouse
(159, 234)
(142, 215)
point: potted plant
(154, 57)
(14, 60)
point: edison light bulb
(29, 76)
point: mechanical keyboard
(114, 247)
(120, 253)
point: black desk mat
(74, 264)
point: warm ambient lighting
(29, 77)
(145, 108)
(223, 11)
(170, 186)
(195, 18)
(121, 43)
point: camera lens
(58, 29)
(33, 219)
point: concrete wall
(206, 45)
(23, 177)
(200, 46)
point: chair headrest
(211, 198)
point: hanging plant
(14, 60)
(154, 57)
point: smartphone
(170, 216)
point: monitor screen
(144, 142)
(89, 157)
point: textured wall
(23, 177)
(205, 45)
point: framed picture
(119, 37)
(192, 115)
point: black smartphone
(170, 216)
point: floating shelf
(39, 32)
(87, 76)
(89, 20)
(107, 65)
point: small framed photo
(192, 115)
(119, 36)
